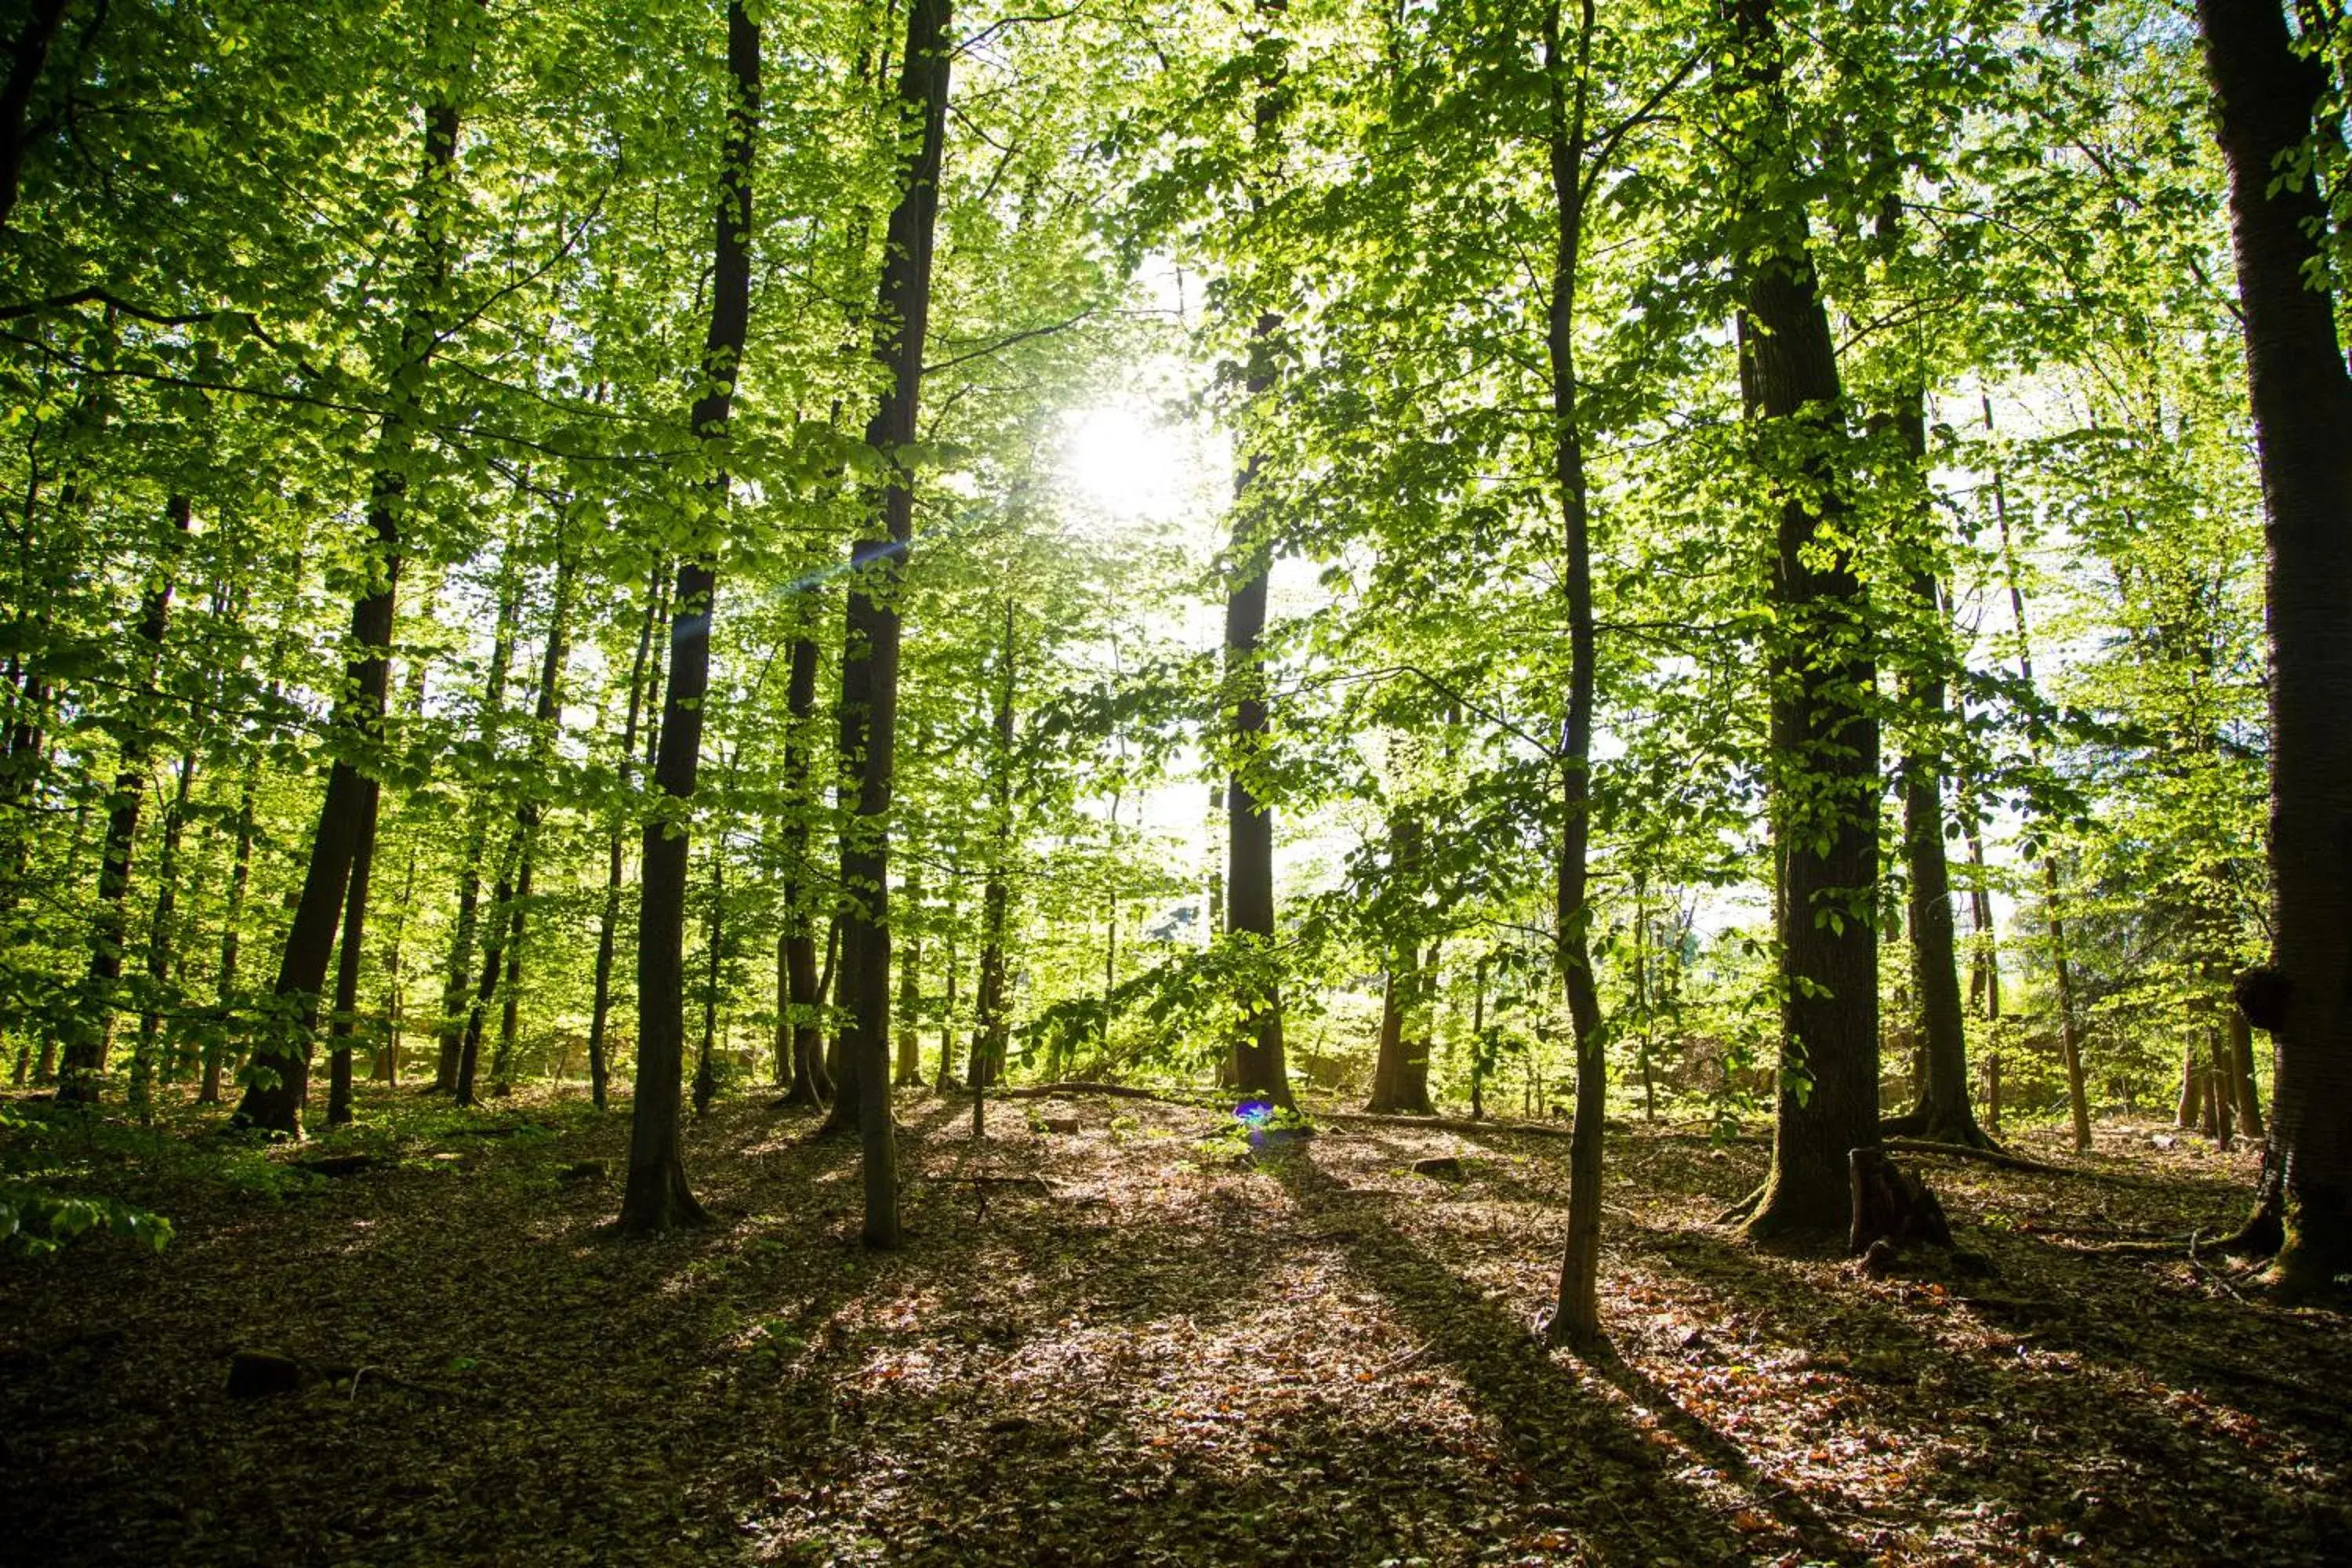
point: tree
(658, 1197)
(2266, 95)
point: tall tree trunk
(1260, 1071)
(274, 1097)
(1821, 668)
(240, 877)
(714, 956)
(658, 1197)
(344, 1020)
(26, 59)
(2266, 97)
(608, 917)
(2061, 969)
(546, 718)
(990, 1031)
(93, 1025)
(162, 928)
(869, 666)
(1576, 1311)
(908, 1072)
(2247, 1097)
(387, 1065)
(809, 1082)
(456, 1008)
(1400, 1067)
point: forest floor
(1165, 1349)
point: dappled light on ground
(1145, 1343)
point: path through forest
(1142, 1342)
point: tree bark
(26, 59)
(990, 1030)
(608, 917)
(1821, 670)
(546, 718)
(810, 1083)
(274, 1098)
(1576, 1311)
(2266, 97)
(86, 1049)
(658, 1197)
(457, 1010)
(1400, 1067)
(353, 946)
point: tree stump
(1891, 1205)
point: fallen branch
(1118, 1090)
(1445, 1123)
(1985, 1157)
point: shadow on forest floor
(1131, 1344)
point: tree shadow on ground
(1577, 1445)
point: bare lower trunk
(658, 1197)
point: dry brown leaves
(1161, 1356)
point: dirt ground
(1142, 1342)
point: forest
(1223, 781)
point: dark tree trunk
(658, 1197)
(344, 1019)
(456, 1009)
(908, 1072)
(989, 1029)
(240, 876)
(387, 1066)
(2265, 98)
(1821, 670)
(275, 1095)
(1400, 1068)
(85, 1054)
(546, 717)
(1576, 1310)
(1946, 1112)
(608, 917)
(162, 928)
(26, 59)
(797, 954)
(869, 666)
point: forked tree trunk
(658, 1197)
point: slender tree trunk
(608, 918)
(93, 1026)
(160, 931)
(546, 717)
(1400, 1067)
(240, 876)
(1576, 1313)
(909, 1070)
(714, 954)
(1824, 739)
(796, 952)
(948, 1008)
(869, 676)
(387, 1066)
(455, 1007)
(990, 1031)
(658, 1197)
